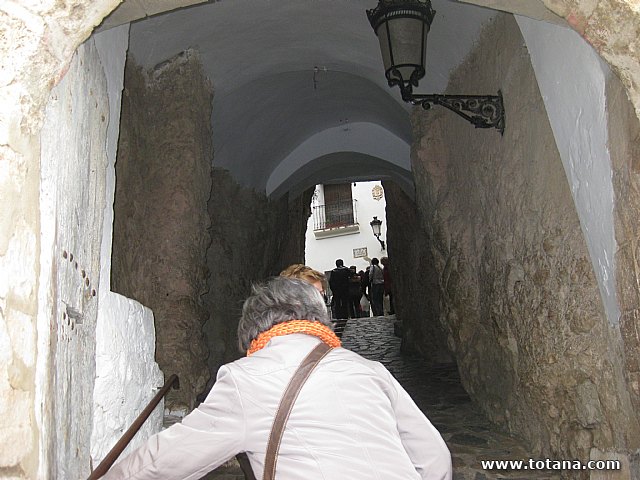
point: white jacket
(351, 421)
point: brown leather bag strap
(286, 405)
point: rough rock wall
(252, 238)
(624, 144)
(414, 279)
(518, 296)
(161, 221)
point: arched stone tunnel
(514, 254)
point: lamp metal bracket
(483, 111)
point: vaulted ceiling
(300, 92)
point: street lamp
(402, 27)
(377, 231)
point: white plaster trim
(127, 376)
(112, 47)
(126, 372)
(572, 80)
(43, 408)
(336, 232)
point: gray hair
(278, 300)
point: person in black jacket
(355, 293)
(339, 284)
(376, 287)
(364, 291)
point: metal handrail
(119, 447)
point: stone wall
(624, 144)
(161, 221)
(39, 41)
(252, 238)
(518, 298)
(414, 278)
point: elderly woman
(351, 420)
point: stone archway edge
(49, 35)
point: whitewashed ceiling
(288, 72)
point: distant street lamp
(402, 27)
(377, 230)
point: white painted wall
(321, 254)
(92, 343)
(127, 375)
(572, 77)
(72, 192)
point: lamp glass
(375, 226)
(402, 27)
(403, 42)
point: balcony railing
(335, 215)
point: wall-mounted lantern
(402, 27)
(377, 230)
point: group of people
(350, 289)
(351, 419)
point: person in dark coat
(376, 288)
(388, 283)
(364, 287)
(339, 284)
(355, 293)
(365, 283)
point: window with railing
(343, 214)
(339, 210)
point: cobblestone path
(439, 394)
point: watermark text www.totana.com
(550, 464)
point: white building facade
(340, 225)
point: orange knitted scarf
(316, 329)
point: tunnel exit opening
(339, 225)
